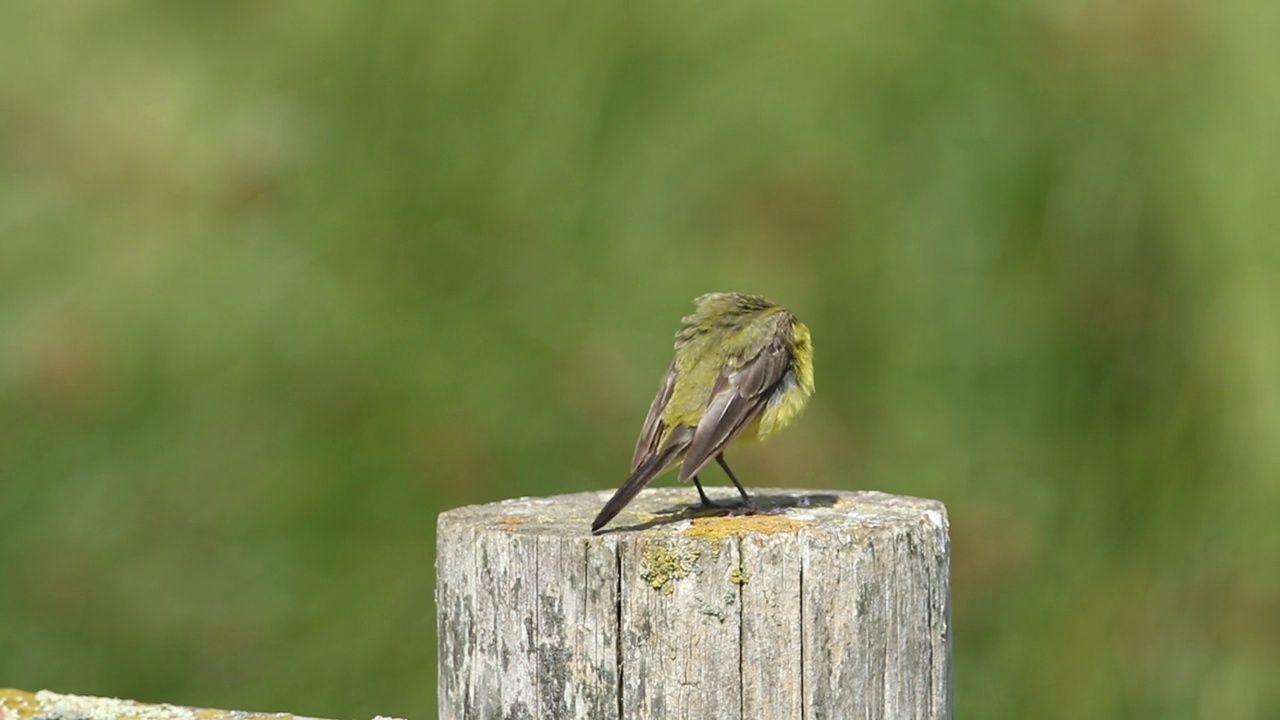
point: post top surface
(47, 705)
(670, 510)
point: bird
(743, 371)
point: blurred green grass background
(279, 282)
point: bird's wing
(651, 431)
(738, 396)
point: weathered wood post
(829, 605)
(47, 705)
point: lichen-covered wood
(46, 705)
(827, 605)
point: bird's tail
(646, 471)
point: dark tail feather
(647, 471)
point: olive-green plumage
(743, 370)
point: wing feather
(651, 431)
(738, 397)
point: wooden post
(46, 705)
(828, 605)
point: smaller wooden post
(826, 605)
(47, 705)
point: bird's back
(716, 345)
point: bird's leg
(706, 501)
(747, 502)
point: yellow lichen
(739, 576)
(16, 703)
(717, 528)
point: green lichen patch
(663, 564)
(739, 576)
